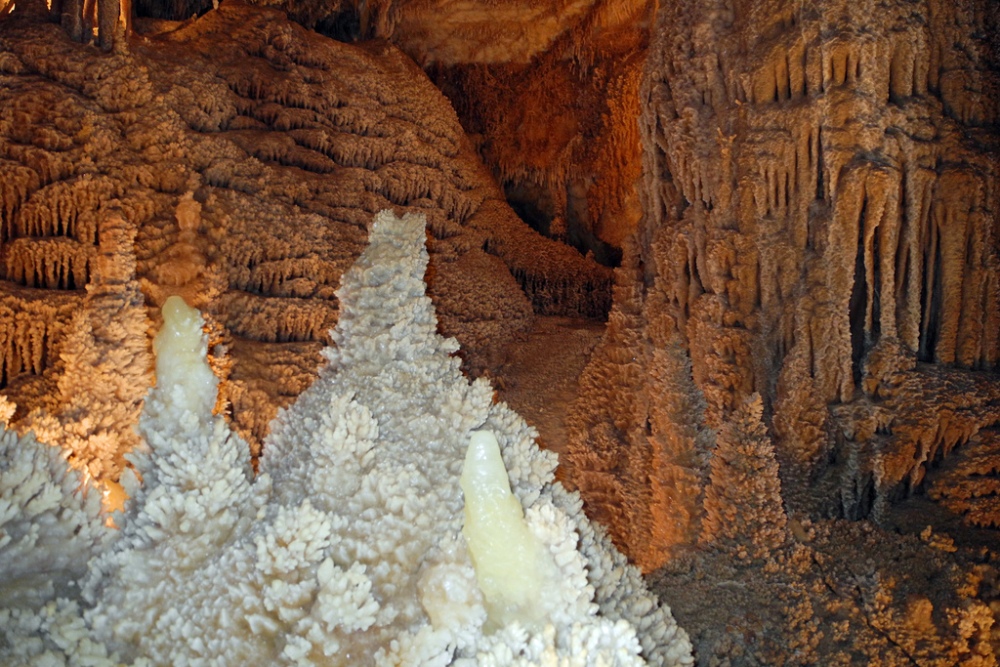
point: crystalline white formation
(512, 566)
(347, 548)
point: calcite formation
(348, 548)
(548, 91)
(802, 352)
(807, 324)
(235, 161)
(820, 206)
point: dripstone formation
(807, 324)
(235, 161)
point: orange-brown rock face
(548, 90)
(820, 229)
(821, 208)
(236, 161)
(555, 122)
(826, 187)
(561, 137)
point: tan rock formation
(807, 210)
(819, 227)
(885, 599)
(246, 156)
(821, 208)
(549, 92)
(637, 444)
(841, 207)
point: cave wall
(548, 92)
(236, 160)
(825, 182)
(820, 214)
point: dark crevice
(344, 26)
(931, 315)
(876, 305)
(820, 186)
(577, 236)
(859, 298)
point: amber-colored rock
(246, 156)
(820, 209)
(637, 443)
(826, 188)
(819, 227)
(548, 90)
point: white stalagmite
(512, 567)
(347, 548)
(180, 349)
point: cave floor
(538, 375)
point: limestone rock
(246, 156)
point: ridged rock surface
(820, 223)
(246, 156)
(808, 322)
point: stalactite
(276, 320)
(854, 239)
(64, 208)
(17, 183)
(53, 263)
(30, 330)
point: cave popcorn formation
(346, 548)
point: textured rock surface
(806, 324)
(246, 156)
(560, 132)
(821, 206)
(347, 548)
(819, 228)
(824, 190)
(549, 92)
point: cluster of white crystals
(348, 547)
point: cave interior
(737, 262)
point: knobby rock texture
(559, 130)
(806, 324)
(821, 229)
(548, 92)
(237, 161)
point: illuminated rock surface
(246, 156)
(347, 548)
(805, 323)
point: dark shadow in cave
(345, 26)
(577, 236)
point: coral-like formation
(104, 350)
(806, 321)
(50, 525)
(245, 155)
(347, 548)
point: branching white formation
(347, 548)
(49, 528)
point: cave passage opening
(572, 231)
